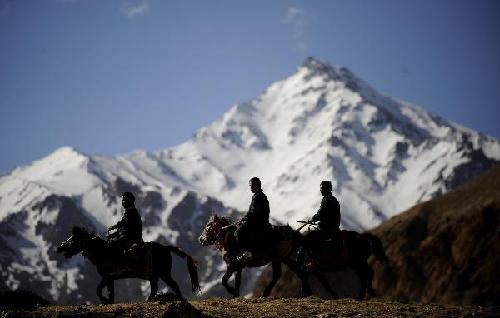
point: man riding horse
(128, 235)
(254, 227)
(327, 221)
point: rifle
(310, 223)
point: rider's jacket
(130, 226)
(258, 212)
(328, 215)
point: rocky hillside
(445, 250)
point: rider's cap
(327, 185)
(128, 196)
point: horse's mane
(222, 219)
(92, 235)
(225, 220)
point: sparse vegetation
(259, 307)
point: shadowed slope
(445, 250)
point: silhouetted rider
(328, 215)
(255, 224)
(128, 234)
(327, 221)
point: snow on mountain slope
(321, 123)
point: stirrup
(311, 265)
(244, 257)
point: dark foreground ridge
(259, 307)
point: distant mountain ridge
(321, 123)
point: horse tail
(192, 266)
(376, 246)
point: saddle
(327, 251)
(127, 250)
(254, 242)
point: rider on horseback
(328, 215)
(327, 221)
(254, 226)
(128, 235)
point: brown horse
(153, 261)
(281, 248)
(349, 250)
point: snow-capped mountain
(321, 123)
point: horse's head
(212, 231)
(75, 243)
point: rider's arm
(336, 212)
(118, 224)
(318, 216)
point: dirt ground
(257, 307)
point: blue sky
(109, 76)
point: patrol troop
(251, 231)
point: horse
(349, 249)
(281, 248)
(151, 262)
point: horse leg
(276, 276)
(306, 289)
(237, 280)
(167, 278)
(153, 282)
(100, 287)
(326, 285)
(361, 271)
(229, 272)
(111, 291)
(369, 281)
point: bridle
(215, 231)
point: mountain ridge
(320, 123)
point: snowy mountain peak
(61, 158)
(67, 151)
(318, 68)
(321, 123)
(66, 170)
